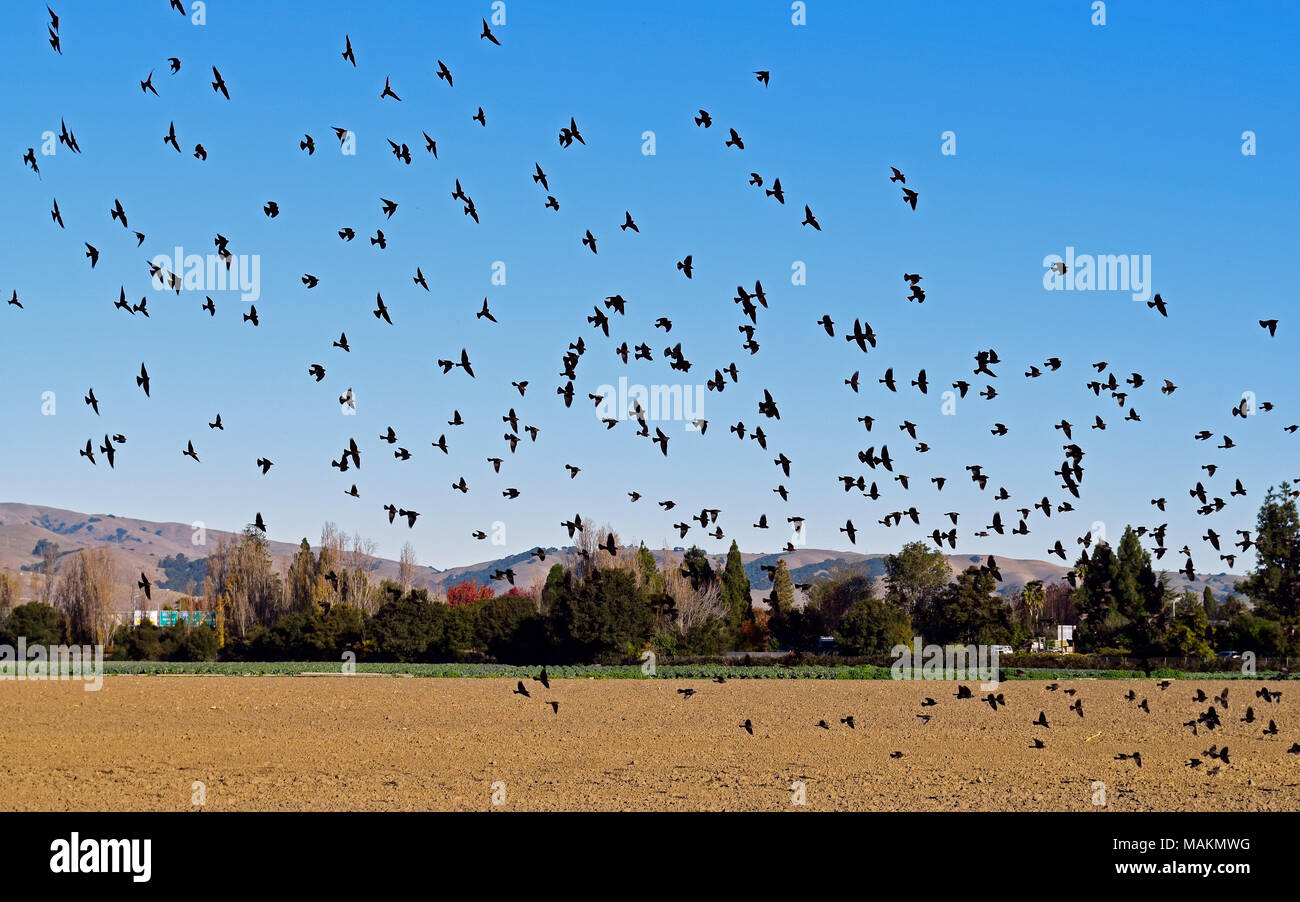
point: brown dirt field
(299, 743)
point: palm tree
(1035, 596)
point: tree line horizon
(598, 607)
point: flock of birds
(880, 465)
(1209, 719)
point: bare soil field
(383, 743)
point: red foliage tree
(466, 592)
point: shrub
(39, 623)
(509, 629)
(409, 627)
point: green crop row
(629, 671)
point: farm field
(386, 743)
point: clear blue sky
(1121, 139)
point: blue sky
(1115, 139)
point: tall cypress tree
(782, 589)
(735, 589)
(651, 578)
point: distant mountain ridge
(141, 546)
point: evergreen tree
(609, 618)
(555, 590)
(1210, 604)
(786, 624)
(557, 611)
(1274, 585)
(696, 566)
(1121, 599)
(873, 627)
(735, 589)
(651, 578)
(782, 597)
(968, 612)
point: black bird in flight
(347, 51)
(862, 336)
(67, 138)
(219, 85)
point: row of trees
(597, 607)
(238, 580)
(1126, 606)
